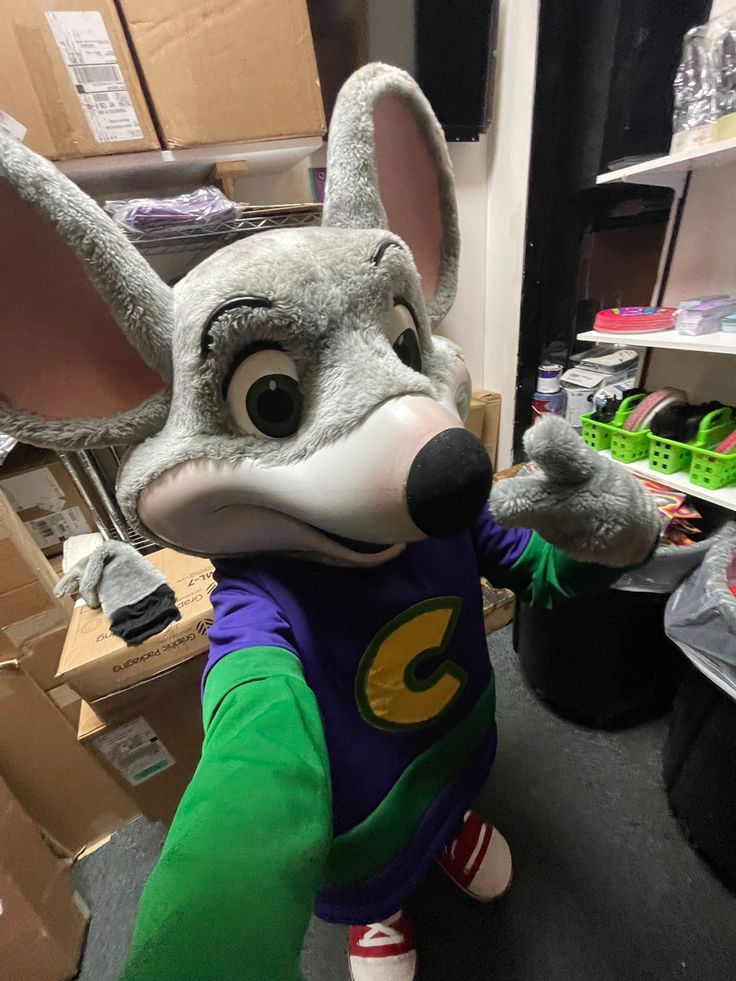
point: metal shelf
(718, 343)
(248, 224)
(726, 497)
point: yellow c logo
(387, 689)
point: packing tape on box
(36, 626)
(6, 688)
(62, 696)
(31, 43)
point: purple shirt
(397, 658)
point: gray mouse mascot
(292, 414)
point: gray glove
(132, 593)
(589, 507)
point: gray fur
(586, 505)
(352, 198)
(112, 576)
(139, 301)
(335, 335)
(123, 429)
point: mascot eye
(404, 338)
(263, 396)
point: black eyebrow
(253, 302)
(381, 249)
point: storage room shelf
(718, 343)
(189, 165)
(726, 498)
(669, 171)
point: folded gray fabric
(131, 592)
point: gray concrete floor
(605, 886)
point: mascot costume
(291, 414)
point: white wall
(492, 178)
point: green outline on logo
(412, 683)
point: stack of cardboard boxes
(54, 795)
(91, 734)
(141, 714)
(83, 78)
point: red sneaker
(383, 951)
(478, 860)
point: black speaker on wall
(449, 46)
(455, 46)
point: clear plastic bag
(6, 445)
(695, 82)
(205, 209)
(701, 613)
(665, 570)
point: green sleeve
(544, 576)
(231, 896)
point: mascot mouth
(364, 548)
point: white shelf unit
(726, 497)
(670, 171)
(718, 343)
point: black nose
(449, 482)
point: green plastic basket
(669, 456)
(713, 470)
(625, 447)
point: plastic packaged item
(727, 445)
(6, 445)
(205, 209)
(634, 319)
(646, 410)
(723, 46)
(728, 324)
(695, 104)
(701, 613)
(703, 316)
(621, 360)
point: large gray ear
(388, 167)
(85, 323)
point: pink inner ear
(62, 355)
(409, 186)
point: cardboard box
(44, 495)
(28, 606)
(40, 656)
(67, 79)
(43, 919)
(476, 414)
(153, 741)
(229, 71)
(68, 702)
(491, 402)
(96, 663)
(61, 785)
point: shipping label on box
(41, 491)
(95, 73)
(134, 750)
(96, 663)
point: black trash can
(605, 661)
(699, 769)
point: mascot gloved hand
(292, 414)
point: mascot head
(287, 395)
